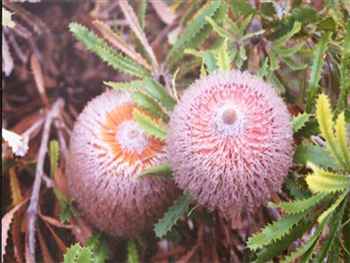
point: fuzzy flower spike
(108, 150)
(230, 142)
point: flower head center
(130, 137)
(229, 116)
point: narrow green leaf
(288, 52)
(161, 169)
(158, 92)
(133, 255)
(54, 154)
(344, 72)
(241, 7)
(332, 208)
(98, 46)
(322, 181)
(292, 64)
(150, 127)
(314, 153)
(299, 121)
(192, 30)
(335, 228)
(218, 29)
(141, 12)
(148, 104)
(281, 41)
(131, 85)
(210, 61)
(316, 70)
(174, 213)
(302, 205)
(274, 231)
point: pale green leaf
(158, 92)
(322, 181)
(315, 154)
(131, 85)
(274, 232)
(316, 69)
(222, 57)
(141, 12)
(218, 29)
(98, 46)
(150, 126)
(133, 255)
(148, 104)
(174, 213)
(341, 136)
(78, 254)
(324, 117)
(299, 121)
(288, 52)
(161, 169)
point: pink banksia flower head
(108, 150)
(230, 142)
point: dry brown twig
(32, 211)
(135, 26)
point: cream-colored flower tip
(107, 152)
(230, 142)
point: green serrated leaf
(131, 85)
(78, 254)
(98, 46)
(218, 29)
(188, 38)
(99, 247)
(288, 52)
(344, 72)
(161, 169)
(222, 57)
(307, 247)
(133, 255)
(149, 125)
(292, 64)
(335, 228)
(276, 248)
(332, 208)
(281, 41)
(299, 121)
(148, 104)
(322, 181)
(174, 213)
(274, 232)
(157, 91)
(316, 70)
(302, 205)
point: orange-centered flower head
(230, 142)
(108, 150)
